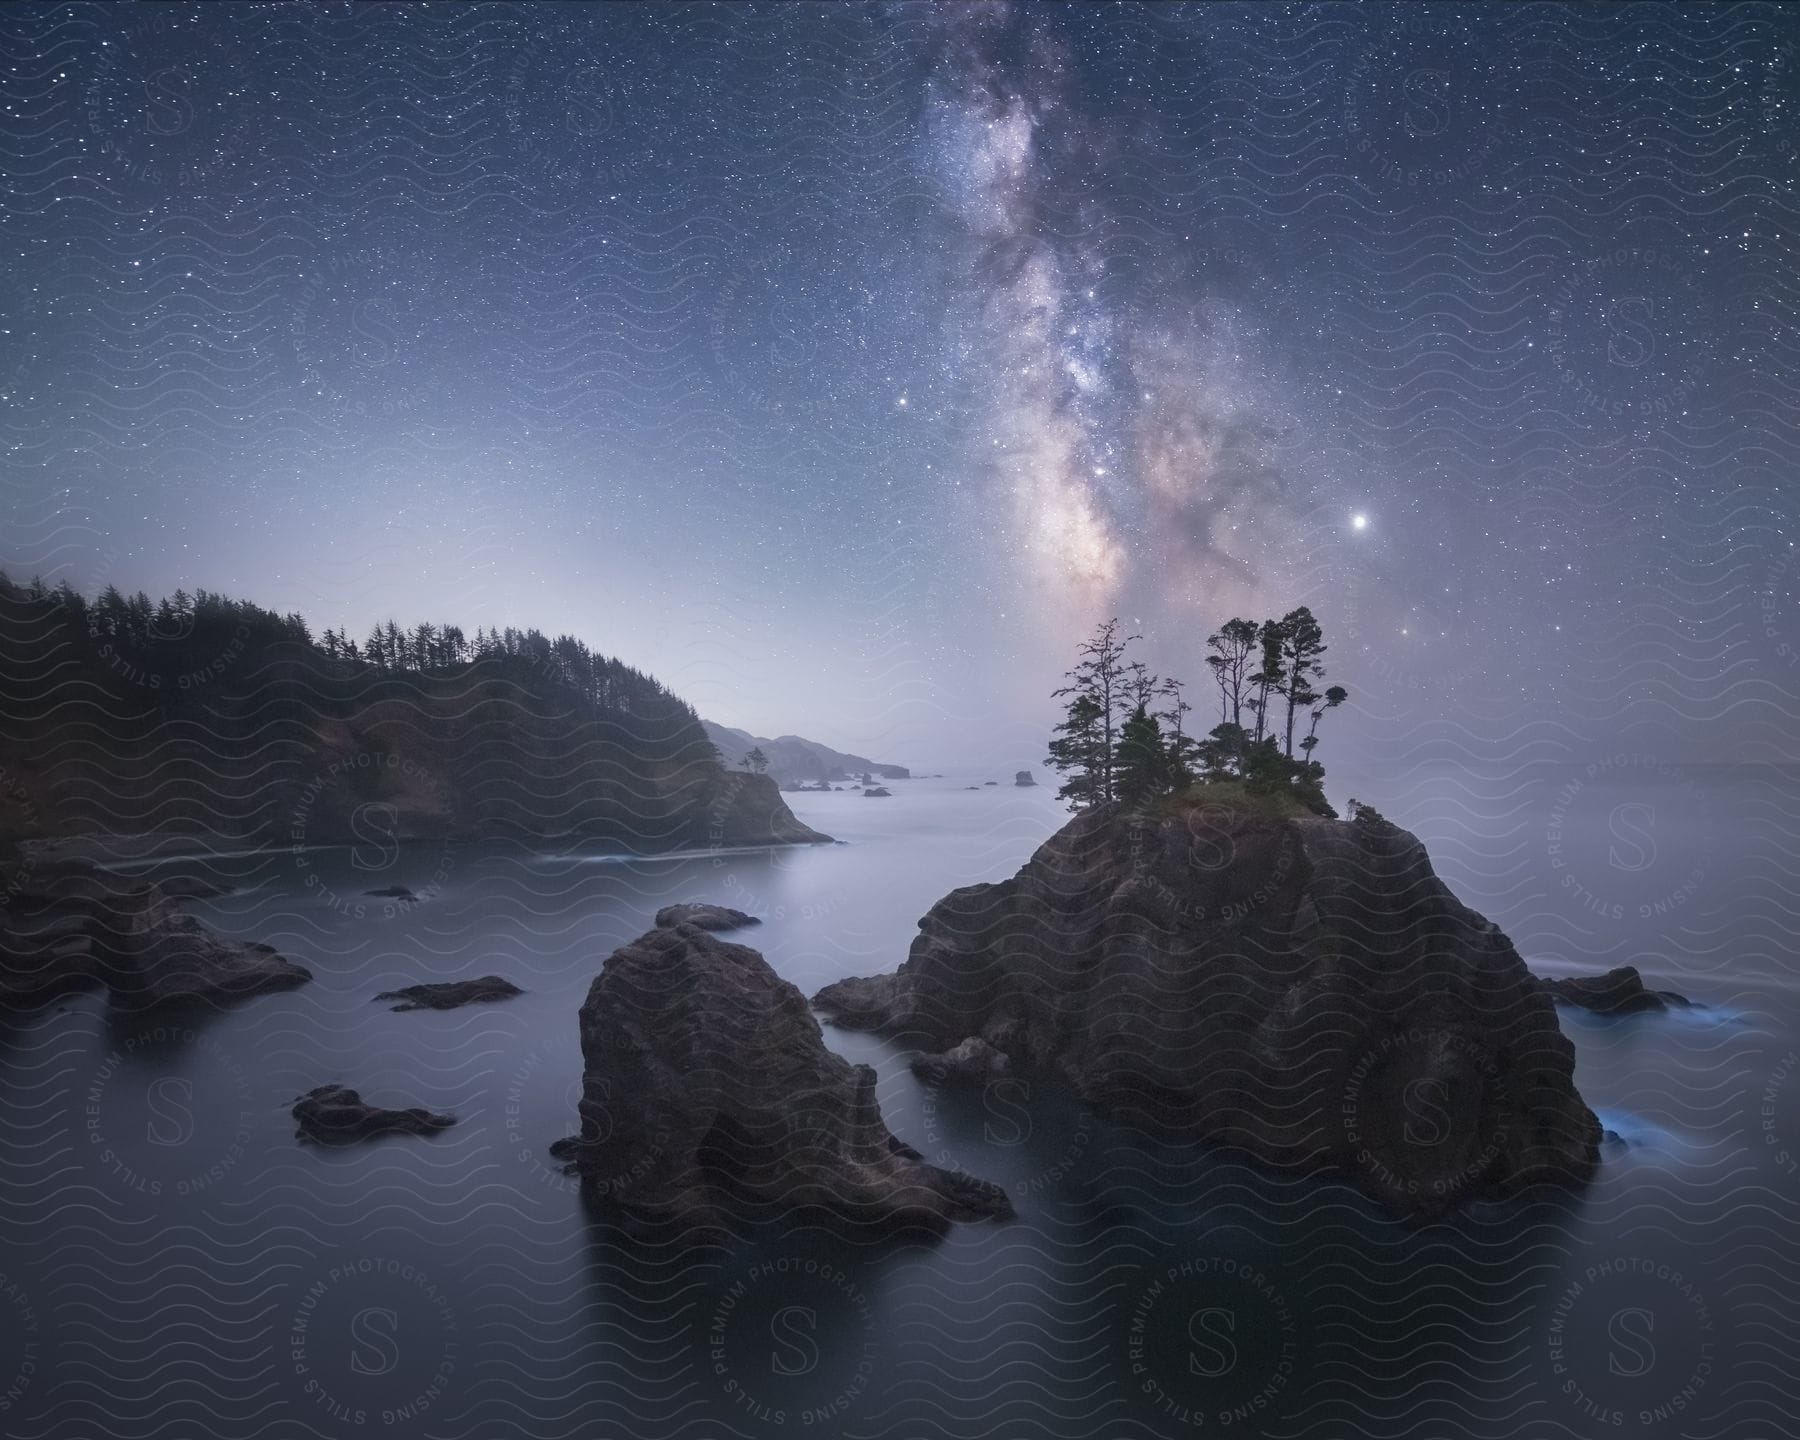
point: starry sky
(843, 364)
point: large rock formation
(73, 926)
(1303, 991)
(710, 1101)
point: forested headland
(208, 715)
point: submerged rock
(1023, 778)
(1302, 991)
(1617, 992)
(710, 1102)
(877, 792)
(337, 1115)
(449, 994)
(706, 916)
(392, 892)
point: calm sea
(176, 1265)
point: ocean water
(176, 1264)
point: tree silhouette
(1111, 744)
(1144, 766)
(1268, 674)
(756, 762)
(1103, 689)
(1230, 655)
(1076, 751)
(1302, 643)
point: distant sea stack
(1292, 989)
(710, 1104)
(1023, 779)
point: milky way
(1116, 424)
(842, 364)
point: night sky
(842, 364)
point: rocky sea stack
(69, 926)
(1299, 990)
(710, 1103)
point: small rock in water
(392, 892)
(973, 1060)
(337, 1115)
(1023, 778)
(706, 916)
(451, 993)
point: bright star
(1359, 521)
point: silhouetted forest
(211, 713)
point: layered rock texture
(710, 1103)
(1303, 991)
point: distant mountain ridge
(793, 758)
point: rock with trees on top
(1205, 951)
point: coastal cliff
(1303, 991)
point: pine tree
(1302, 646)
(1269, 675)
(1231, 649)
(1181, 746)
(1142, 767)
(1103, 677)
(1335, 696)
(1077, 752)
